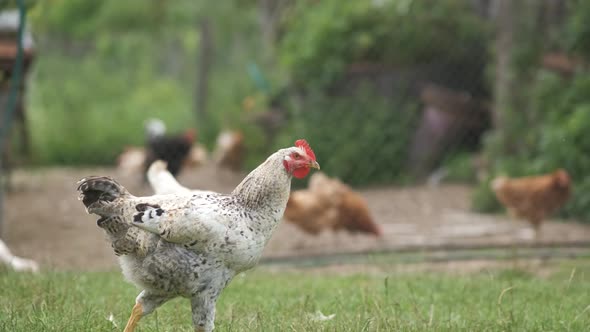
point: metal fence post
(11, 103)
(1, 194)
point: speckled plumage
(191, 244)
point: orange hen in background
(533, 198)
(329, 204)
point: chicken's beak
(314, 164)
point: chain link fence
(395, 97)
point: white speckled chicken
(192, 244)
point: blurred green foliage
(361, 138)
(554, 109)
(323, 37)
(558, 139)
(460, 167)
(104, 67)
(577, 29)
(90, 112)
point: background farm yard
(421, 113)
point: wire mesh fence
(395, 97)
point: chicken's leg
(136, 314)
(537, 229)
(536, 223)
(203, 307)
(145, 303)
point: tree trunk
(267, 25)
(519, 24)
(504, 47)
(203, 70)
(269, 15)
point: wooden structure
(450, 118)
(8, 54)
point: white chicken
(192, 244)
(16, 263)
(162, 181)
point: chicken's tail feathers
(99, 190)
(498, 182)
(369, 226)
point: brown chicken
(230, 150)
(533, 198)
(131, 160)
(329, 204)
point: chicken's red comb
(301, 143)
(190, 135)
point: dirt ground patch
(45, 221)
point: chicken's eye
(296, 155)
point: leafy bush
(460, 168)
(105, 67)
(483, 198)
(577, 29)
(74, 123)
(323, 37)
(566, 144)
(362, 138)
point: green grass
(504, 300)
